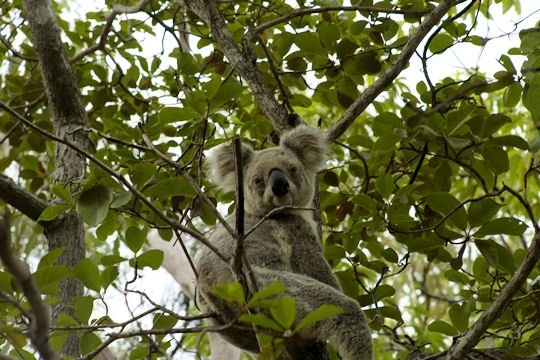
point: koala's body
(285, 247)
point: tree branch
(242, 60)
(497, 307)
(69, 118)
(318, 10)
(39, 321)
(21, 199)
(121, 179)
(390, 74)
(117, 9)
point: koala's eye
(293, 169)
(258, 181)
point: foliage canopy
(429, 204)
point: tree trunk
(69, 121)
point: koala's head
(274, 177)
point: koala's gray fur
(285, 247)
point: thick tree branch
(390, 74)
(497, 307)
(242, 60)
(69, 119)
(39, 322)
(21, 199)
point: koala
(285, 247)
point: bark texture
(69, 120)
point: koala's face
(274, 178)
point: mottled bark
(69, 120)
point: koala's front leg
(348, 332)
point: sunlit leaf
(323, 312)
(93, 204)
(88, 273)
(284, 311)
(442, 327)
(260, 320)
(232, 292)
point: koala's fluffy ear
(221, 165)
(309, 144)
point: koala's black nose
(278, 181)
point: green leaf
(93, 204)
(457, 277)
(443, 203)
(385, 185)
(121, 199)
(440, 43)
(141, 173)
(512, 95)
(88, 273)
(384, 290)
(89, 342)
(47, 278)
(503, 225)
(231, 292)
(151, 258)
(62, 192)
(323, 312)
(274, 288)
(390, 255)
(260, 320)
(108, 275)
(498, 256)
(442, 327)
(283, 311)
(162, 321)
(135, 238)
(329, 34)
(391, 312)
(15, 337)
(493, 123)
(480, 212)
(510, 140)
(84, 306)
(53, 211)
(459, 316)
(506, 62)
(109, 260)
(50, 258)
(531, 94)
(496, 158)
(309, 43)
(226, 92)
(170, 187)
(174, 114)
